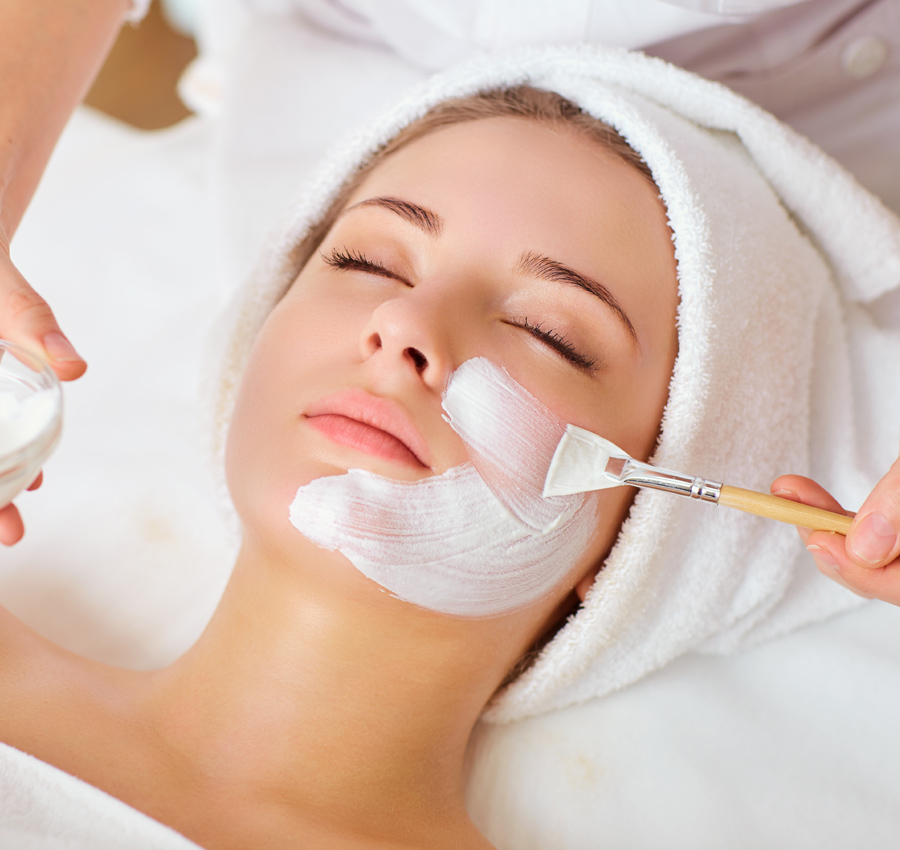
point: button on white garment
(864, 56)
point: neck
(353, 707)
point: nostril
(420, 361)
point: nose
(410, 332)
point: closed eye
(350, 260)
(347, 259)
(560, 344)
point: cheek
(265, 455)
(652, 395)
(627, 407)
(258, 448)
(612, 509)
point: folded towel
(782, 365)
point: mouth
(376, 426)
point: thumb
(26, 319)
(874, 537)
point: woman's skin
(316, 709)
(53, 49)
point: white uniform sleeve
(733, 7)
(432, 34)
(435, 33)
(830, 68)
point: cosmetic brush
(584, 461)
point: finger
(833, 561)
(827, 565)
(12, 528)
(797, 488)
(26, 319)
(37, 481)
(830, 550)
(874, 537)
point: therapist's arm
(867, 560)
(50, 52)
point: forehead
(515, 159)
(507, 185)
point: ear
(586, 582)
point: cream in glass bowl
(30, 418)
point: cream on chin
(478, 540)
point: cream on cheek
(478, 540)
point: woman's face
(529, 245)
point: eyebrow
(539, 266)
(426, 220)
(530, 263)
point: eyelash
(350, 260)
(560, 344)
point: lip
(374, 425)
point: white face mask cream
(22, 419)
(478, 540)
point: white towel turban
(784, 262)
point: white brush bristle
(579, 464)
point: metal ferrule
(638, 474)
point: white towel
(44, 808)
(784, 262)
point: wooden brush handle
(784, 510)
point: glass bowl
(30, 418)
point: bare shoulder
(454, 834)
(28, 665)
(20, 647)
(467, 838)
(470, 841)
(478, 842)
(42, 686)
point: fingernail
(59, 348)
(873, 539)
(823, 556)
(783, 493)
